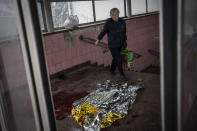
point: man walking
(115, 28)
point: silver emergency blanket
(109, 102)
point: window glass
(102, 8)
(7, 20)
(189, 65)
(138, 7)
(16, 110)
(61, 10)
(84, 11)
(153, 5)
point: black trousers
(117, 60)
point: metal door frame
(35, 65)
(170, 59)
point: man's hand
(124, 45)
(97, 42)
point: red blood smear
(63, 103)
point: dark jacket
(116, 32)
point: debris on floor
(145, 114)
(62, 77)
(108, 103)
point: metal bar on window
(48, 15)
(128, 7)
(146, 6)
(43, 15)
(131, 7)
(94, 12)
(125, 14)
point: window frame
(94, 15)
(43, 16)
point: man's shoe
(123, 77)
(112, 73)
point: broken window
(61, 10)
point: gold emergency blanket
(108, 103)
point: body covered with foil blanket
(108, 103)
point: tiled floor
(144, 116)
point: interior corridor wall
(64, 49)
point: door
(178, 22)
(188, 68)
(25, 97)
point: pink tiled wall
(142, 34)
